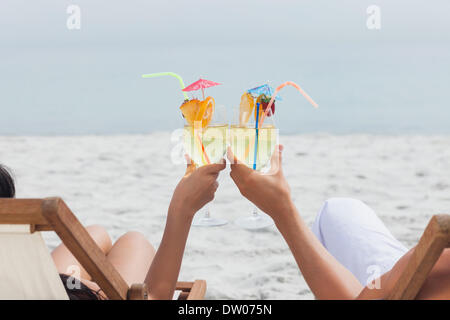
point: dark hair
(7, 188)
(81, 293)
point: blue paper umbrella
(264, 89)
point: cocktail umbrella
(201, 84)
(197, 85)
(264, 89)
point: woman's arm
(163, 273)
(326, 277)
(195, 189)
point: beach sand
(125, 183)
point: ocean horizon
(63, 82)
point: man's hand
(269, 191)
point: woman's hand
(196, 188)
(269, 191)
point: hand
(196, 188)
(269, 191)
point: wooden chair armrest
(198, 290)
(184, 286)
(434, 240)
(192, 290)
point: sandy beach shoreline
(124, 182)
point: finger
(188, 159)
(222, 161)
(276, 159)
(190, 168)
(239, 173)
(190, 165)
(215, 185)
(214, 168)
(232, 158)
(238, 170)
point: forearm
(326, 277)
(163, 273)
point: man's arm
(270, 192)
(326, 277)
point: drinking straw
(195, 132)
(172, 74)
(256, 137)
(205, 155)
(175, 75)
(296, 86)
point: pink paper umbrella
(201, 84)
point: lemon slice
(246, 108)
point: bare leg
(132, 255)
(64, 260)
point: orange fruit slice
(205, 111)
(195, 110)
(246, 108)
(189, 109)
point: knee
(138, 240)
(340, 209)
(100, 236)
(135, 236)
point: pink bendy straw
(296, 86)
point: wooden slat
(40, 227)
(198, 290)
(444, 225)
(183, 295)
(434, 240)
(83, 247)
(22, 211)
(184, 286)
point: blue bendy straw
(256, 137)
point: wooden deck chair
(27, 270)
(434, 240)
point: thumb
(276, 160)
(232, 158)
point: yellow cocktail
(203, 144)
(243, 139)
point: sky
(57, 81)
